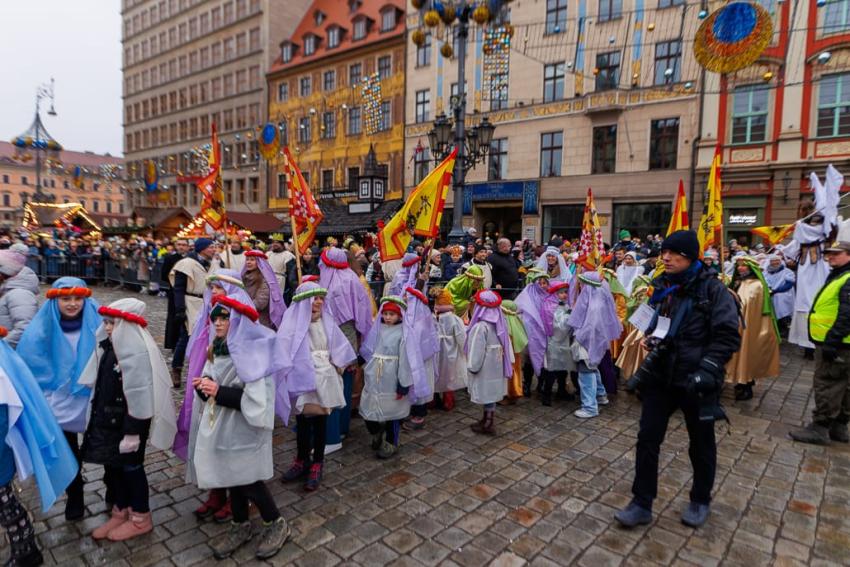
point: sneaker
(332, 448)
(633, 515)
(584, 414)
(387, 450)
(602, 400)
(272, 538)
(224, 514)
(314, 478)
(296, 471)
(414, 424)
(695, 514)
(238, 535)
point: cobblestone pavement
(541, 492)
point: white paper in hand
(662, 327)
(642, 317)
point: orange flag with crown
(679, 220)
(302, 205)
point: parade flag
(212, 206)
(421, 213)
(774, 234)
(592, 248)
(679, 220)
(712, 211)
(303, 209)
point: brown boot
(175, 377)
(138, 524)
(486, 426)
(117, 518)
(479, 425)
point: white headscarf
(145, 377)
(565, 275)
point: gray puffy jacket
(18, 304)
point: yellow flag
(420, 214)
(712, 212)
(774, 234)
(679, 220)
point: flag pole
(292, 218)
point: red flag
(302, 205)
(679, 220)
(592, 247)
(212, 207)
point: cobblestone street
(542, 492)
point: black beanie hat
(684, 242)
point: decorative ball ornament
(733, 37)
(651, 27)
(767, 76)
(418, 38)
(432, 18)
(449, 14)
(703, 14)
(481, 15)
(824, 57)
(447, 51)
(417, 3)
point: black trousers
(392, 429)
(658, 406)
(311, 433)
(75, 489)
(128, 486)
(257, 493)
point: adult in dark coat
(172, 331)
(505, 269)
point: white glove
(129, 444)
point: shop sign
(525, 191)
(743, 219)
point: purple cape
(530, 303)
(405, 276)
(293, 345)
(420, 324)
(276, 305)
(346, 299)
(495, 316)
(594, 317)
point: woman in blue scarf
(56, 346)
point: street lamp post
(37, 139)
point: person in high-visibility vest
(829, 330)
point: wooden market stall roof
(57, 215)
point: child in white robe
(451, 360)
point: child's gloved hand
(401, 391)
(129, 444)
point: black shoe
(29, 560)
(695, 514)
(75, 507)
(546, 399)
(633, 515)
(745, 393)
(838, 432)
(809, 353)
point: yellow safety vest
(825, 310)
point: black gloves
(706, 379)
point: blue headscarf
(48, 353)
(34, 436)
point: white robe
(328, 392)
(558, 356)
(451, 360)
(487, 381)
(278, 261)
(387, 369)
(810, 278)
(196, 284)
(234, 261)
(229, 447)
(783, 303)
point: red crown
(55, 292)
(417, 294)
(332, 263)
(245, 310)
(485, 303)
(256, 254)
(126, 315)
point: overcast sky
(78, 43)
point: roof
(340, 13)
(46, 214)
(338, 221)
(155, 216)
(255, 222)
(67, 157)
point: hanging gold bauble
(481, 15)
(767, 76)
(417, 3)
(418, 38)
(447, 51)
(432, 18)
(487, 49)
(650, 27)
(510, 29)
(449, 14)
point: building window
(423, 52)
(499, 91)
(309, 45)
(281, 186)
(327, 180)
(384, 67)
(553, 82)
(556, 16)
(354, 123)
(286, 53)
(668, 62)
(498, 160)
(304, 132)
(385, 122)
(355, 74)
(353, 175)
(421, 164)
(669, 3)
(306, 86)
(109, 206)
(562, 220)
(5, 179)
(604, 149)
(837, 16)
(328, 126)
(329, 80)
(388, 20)
(551, 153)
(7, 200)
(283, 92)
(641, 219)
(610, 9)
(663, 143)
(360, 29)
(24, 180)
(834, 106)
(333, 37)
(749, 115)
(423, 105)
(254, 187)
(607, 70)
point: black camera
(652, 368)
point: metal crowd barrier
(137, 273)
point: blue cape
(46, 350)
(35, 437)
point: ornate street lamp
(36, 138)
(453, 17)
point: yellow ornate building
(336, 89)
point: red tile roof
(69, 158)
(337, 13)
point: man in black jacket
(685, 370)
(829, 330)
(172, 332)
(505, 269)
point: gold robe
(632, 353)
(759, 354)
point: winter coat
(109, 420)
(18, 304)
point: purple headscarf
(488, 309)
(530, 303)
(196, 351)
(277, 307)
(420, 324)
(346, 299)
(406, 276)
(594, 317)
(294, 345)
